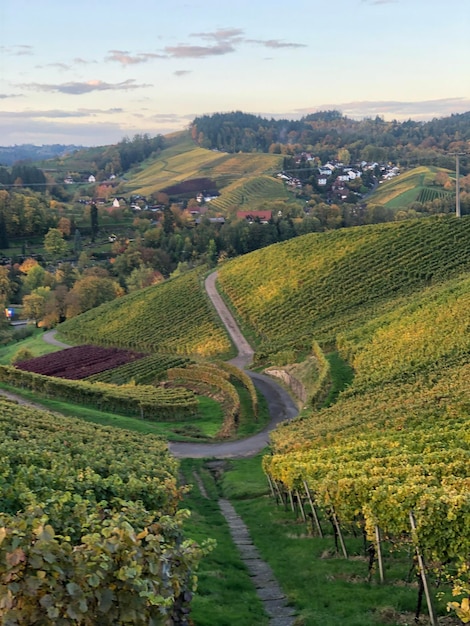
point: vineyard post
(281, 497)
(301, 506)
(379, 553)
(271, 487)
(291, 500)
(314, 512)
(340, 534)
(422, 573)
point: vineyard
(90, 527)
(428, 194)
(247, 191)
(79, 362)
(319, 284)
(174, 317)
(144, 401)
(372, 458)
(391, 457)
(144, 371)
(415, 185)
(184, 162)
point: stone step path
(267, 587)
(263, 578)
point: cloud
(4, 96)
(59, 66)
(80, 61)
(380, 1)
(198, 52)
(58, 113)
(182, 72)
(18, 50)
(420, 110)
(276, 43)
(125, 58)
(232, 35)
(77, 88)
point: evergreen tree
(94, 220)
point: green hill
(238, 177)
(316, 285)
(393, 301)
(415, 185)
(174, 317)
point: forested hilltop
(325, 132)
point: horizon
(90, 75)
(216, 112)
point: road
(280, 404)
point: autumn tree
(37, 277)
(54, 243)
(141, 277)
(89, 292)
(35, 303)
(65, 226)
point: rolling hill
(415, 185)
(393, 300)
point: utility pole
(457, 181)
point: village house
(252, 216)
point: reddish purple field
(78, 362)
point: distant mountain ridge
(29, 152)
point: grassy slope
(405, 189)
(183, 161)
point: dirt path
(280, 404)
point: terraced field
(416, 185)
(184, 161)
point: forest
(324, 133)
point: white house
(91, 179)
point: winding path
(280, 404)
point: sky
(91, 72)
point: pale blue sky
(91, 72)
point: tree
(77, 243)
(35, 278)
(6, 287)
(141, 277)
(54, 243)
(89, 292)
(3, 233)
(93, 220)
(34, 305)
(65, 226)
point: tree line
(326, 132)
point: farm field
(79, 362)
(184, 162)
(415, 185)
(245, 193)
